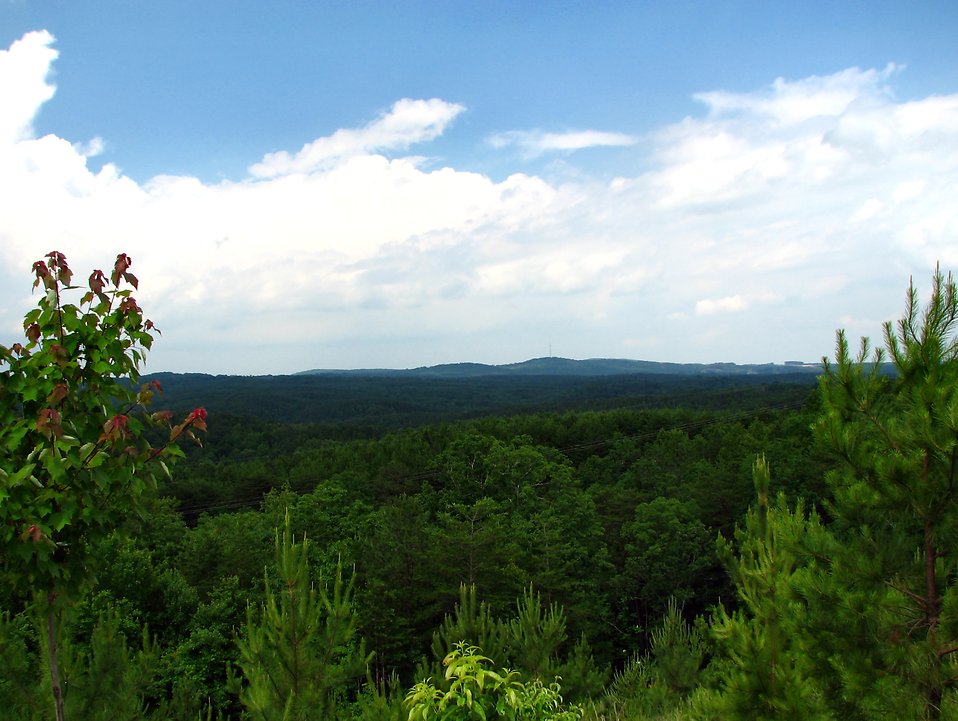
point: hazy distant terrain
(385, 399)
(553, 366)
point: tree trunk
(53, 617)
(932, 617)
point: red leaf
(58, 394)
(48, 423)
(97, 282)
(197, 413)
(123, 263)
(115, 428)
(42, 273)
(165, 416)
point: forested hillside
(550, 548)
(350, 404)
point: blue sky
(407, 183)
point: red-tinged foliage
(121, 271)
(74, 457)
(73, 454)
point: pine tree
(678, 650)
(471, 621)
(530, 642)
(535, 636)
(298, 649)
(656, 684)
(886, 608)
(761, 669)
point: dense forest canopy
(540, 547)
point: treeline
(366, 405)
(605, 515)
(638, 555)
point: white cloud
(728, 304)
(788, 103)
(868, 210)
(408, 122)
(23, 86)
(90, 149)
(908, 190)
(760, 224)
(536, 143)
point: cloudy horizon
(747, 230)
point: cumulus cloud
(745, 235)
(23, 84)
(536, 143)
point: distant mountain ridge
(555, 366)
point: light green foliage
(889, 596)
(297, 651)
(477, 690)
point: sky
(398, 184)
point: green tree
(652, 684)
(196, 668)
(671, 554)
(762, 668)
(535, 635)
(298, 650)
(398, 599)
(105, 679)
(678, 650)
(471, 621)
(477, 545)
(533, 641)
(76, 458)
(889, 593)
